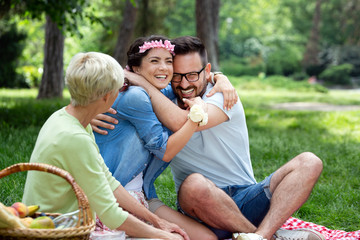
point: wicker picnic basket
(85, 224)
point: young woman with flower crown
(139, 147)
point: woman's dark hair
(134, 56)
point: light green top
(65, 143)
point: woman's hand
(197, 100)
(178, 233)
(224, 86)
(177, 236)
(198, 111)
(105, 121)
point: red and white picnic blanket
(329, 234)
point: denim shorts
(252, 200)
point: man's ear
(208, 71)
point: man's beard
(200, 94)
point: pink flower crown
(157, 44)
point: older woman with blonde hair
(66, 141)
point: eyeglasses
(190, 76)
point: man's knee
(310, 163)
(311, 160)
(193, 185)
(196, 189)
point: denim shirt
(137, 143)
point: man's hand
(102, 120)
(224, 86)
(171, 227)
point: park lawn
(275, 137)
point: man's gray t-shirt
(220, 153)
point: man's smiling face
(188, 63)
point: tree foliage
(181, 20)
(259, 35)
(61, 16)
(281, 29)
(339, 20)
(64, 13)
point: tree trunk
(207, 27)
(312, 47)
(52, 83)
(125, 33)
(145, 18)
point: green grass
(276, 136)
(21, 117)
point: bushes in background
(12, 44)
(250, 66)
(285, 60)
(337, 75)
(253, 58)
(275, 82)
(339, 55)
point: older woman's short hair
(91, 75)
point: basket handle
(84, 207)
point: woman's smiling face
(156, 67)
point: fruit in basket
(13, 211)
(21, 208)
(26, 221)
(8, 218)
(32, 209)
(43, 222)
